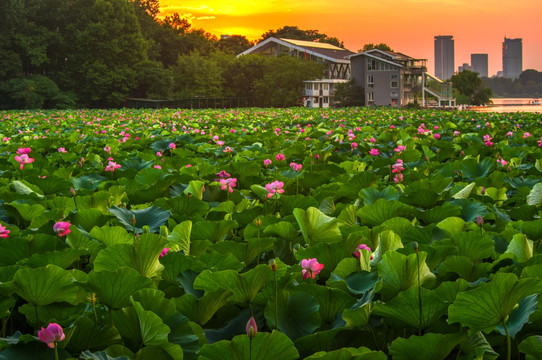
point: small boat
(536, 102)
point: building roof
(323, 50)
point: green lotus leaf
(98, 200)
(535, 196)
(521, 247)
(88, 218)
(534, 271)
(60, 313)
(439, 213)
(180, 235)
(422, 197)
(12, 249)
(53, 185)
(283, 229)
(212, 230)
(404, 309)
(111, 235)
(174, 264)
(430, 346)
(370, 195)
(264, 346)
(62, 259)
(183, 207)
(88, 335)
(473, 169)
(149, 176)
(244, 286)
(398, 225)
(464, 267)
(358, 317)
(532, 347)
(113, 257)
(165, 351)
(381, 210)
(348, 217)
(46, 285)
(27, 212)
(245, 252)
(146, 253)
(533, 229)
(358, 282)
(474, 246)
(520, 315)
(153, 330)
(195, 188)
(153, 217)
(88, 182)
(400, 272)
(470, 210)
(113, 288)
(359, 181)
(332, 301)
(477, 345)
(452, 225)
(489, 305)
(25, 188)
(217, 261)
(387, 240)
(136, 164)
(346, 353)
(202, 310)
(100, 355)
(464, 193)
(288, 203)
(317, 227)
(244, 169)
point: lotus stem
(419, 294)
(276, 302)
(508, 341)
(56, 351)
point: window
(395, 94)
(316, 87)
(370, 81)
(308, 86)
(394, 77)
(326, 86)
(394, 84)
(326, 99)
(370, 98)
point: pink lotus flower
(280, 157)
(107, 149)
(227, 149)
(311, 268)
(400, 148)
(3, 232)
(360, 247)
(157, 167)
(112, 166)
(222, 175)
(62, 150)
(398, 167)
(354, 145)
(164, 252)
(172, 146)
(526, 135)
(276, 187)
(374, 152)
(456, 133)
(252, 327)
(228, 184)
(23, 159)
(398, 178)
(372, 140)
(436, 136)
(52, 334)
(62, 228)
(296, 167)
(267, 162)
(502, 162)
(21, 151)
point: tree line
(97, 53)
(529, 84)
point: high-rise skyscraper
(478, 62)
(444, 56)
(512, 58)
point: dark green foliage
(470, 89)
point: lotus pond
(270, 234)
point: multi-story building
(444, 56)
(317, 93)
(479, 62)
(395, 79)
(464, 67)
(512, 58)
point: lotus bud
(483, 191)
(72, 191)
(258, 222)
(273, 264)
(164, 231)
(133, 221)
(251, 328)
(480, 221)
(415, 246)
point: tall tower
(444, 56)
(512, 58)
(479, 64)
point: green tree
(243, 73)
(348, 94)
(196, 75)
(234, 44)
(108, 47)
(371, 46)
(469, 89)
(295, 33)
(282, 83)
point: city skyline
(408, 26)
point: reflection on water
(508, 105)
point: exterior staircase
(441, 90)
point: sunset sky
(407, 26)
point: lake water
(507, 105)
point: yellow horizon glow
(408, 26)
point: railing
(194, 103)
